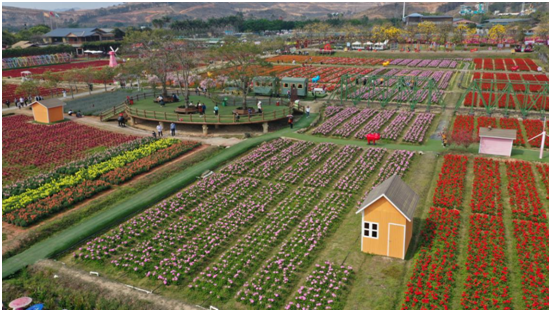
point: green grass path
(75, 234)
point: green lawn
(225, 112)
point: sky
(59, 5)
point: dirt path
(117, 290)
(15, 234)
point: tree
(187, 57)
(243, 62)
(28, 88)
(461, 137)
(444, 32)
(52, 80)
(87, 76)
(459, 34)
(497, 33)
(154, 48)
(119, 34)
(72, 78)
(8, 38)
(392, 33)
(105, 75)
(427, 29)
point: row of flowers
(375, 124)
(71, 168)
(255, 157)
(332, 123)
(325, 288)
(295, 172)
(332, 110)
(451, 182)
(189, 257)
(533, 128)
(523, 193)
(416, 133)
(357, 176)
(272, 283)
(86, 173)
(70, 196)
(349, 127)
(233, 268)
(397, 164)
(433, 277)
(397, 125)
(147, 223)
(273, 165)
(543, 169)
(27, 146)
(512, 123)
(487, 284)
(486, 195)
(145, 239)
(332, 167)
(484, 121)
(463, 126)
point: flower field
(534, 127)
(325, 60)
(417, 132)
(512, 123)
(60, 191)
(55, 68)
(397, 125)
(29, 149)
(505, 64)
(451, 182)
(483, 121)
(333, 122)
(325, 288)
(8, 92)
(398, 163)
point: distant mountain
(390, 10)
(65, 10)
(133, 14)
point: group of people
(121, 120)
(77, 114)
(23, 101)
(160, 130)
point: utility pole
(404, 12)
(522, 9)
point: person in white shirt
(64, 93)
(307, 111)
(259, 106)
(160, 130)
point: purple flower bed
(233, 268)
(423, 63)
(332, 110)
(375, 124)
(325, 289)
(198, 249)
(323, 176)
(398, 124)
(330, 124)
(293, 173)
(406, 62)
(436, 96)
(434, 63)
(270, 285)
(444, 83)
(274, 164)
(414, 63)
(256, 156)
(416, 133)
(356, 121)
(357, 176)
(398, 163)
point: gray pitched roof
(498, 133)
(50, 103)
(80, 32)
(397, 192)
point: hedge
(37, 51)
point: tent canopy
(356, 43)
(369, 43)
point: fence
(210, 119)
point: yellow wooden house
(387, 218)
(48, 111)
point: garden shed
(48, 111)
(301, 85)
(496, 141)
(387, 218)
(266, 85)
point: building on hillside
(462, 21)
(48, 111)
(416, 18)
(76, 36)
(496, 141)
(477, 8)
(504, 21)
(387, 218)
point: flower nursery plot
(30, 148)
(54, 68)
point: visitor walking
(8, 103)
(204, 109)
(307, 111)
(173, 129)
(216, 110)
(154, 134)
(291, 121)
(64, 93)
(160, 130)
(259, 106)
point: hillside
(142, 13)
(395, 9)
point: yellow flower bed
(88, 173)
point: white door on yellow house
(396, 239)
